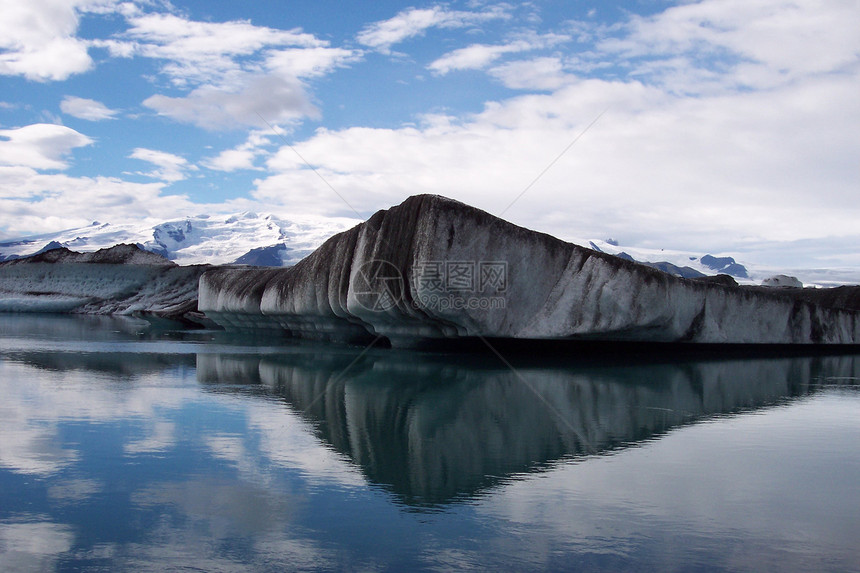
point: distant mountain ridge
(245, 238)
(719, 265)
(725, 266)
(121, 254)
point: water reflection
(431, 428)
(127, 447)
(437, 428)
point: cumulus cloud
(205, 52)
(474, 57)
(40, 146)
(242, 156)
(38, 42)
(236, 72)
(88, 109)
(308, 62)
(546, 73)
(753, 44)
(415, 21)
(231, 160)
(33, 202)
(262, 98)
(479, 56)
(170, 167)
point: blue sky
(721, 125)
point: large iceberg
(432, 268)
(121, 280)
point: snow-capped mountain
(246, 238)
(689, 264)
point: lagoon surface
(129, 447)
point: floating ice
(551, 290)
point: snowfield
(215, 240)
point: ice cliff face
(434, 268)
(119, 280)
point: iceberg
(782, 281)
(122, 280)
(434, 269)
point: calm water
(124, 448)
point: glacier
(433, 269)
(123, 280)
(201, 239)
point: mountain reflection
(434, 428)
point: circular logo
(377, 285)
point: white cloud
(474, 57)
(40, 145)
(479, 56)
(37, 40)
(56, 59)
(714, 137)
(170, 167)
(414, 22)
(231, 160)
(308, 62)
(536, 74)
(206, 52)
(88, 109)
(237, 72)
(33, 202)
(754, 44)
(261, 98)
(38, 37)
(244, 155)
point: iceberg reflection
(435, 428)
